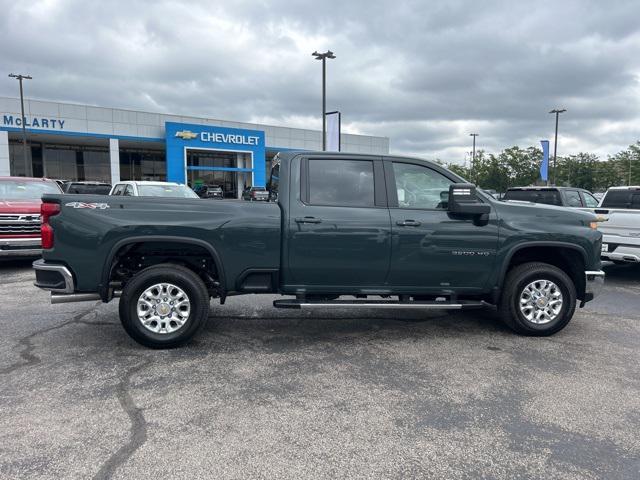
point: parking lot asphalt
(266, 393)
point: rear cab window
(625, 199)
(547, 197)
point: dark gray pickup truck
(341, 231)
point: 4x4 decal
(100, 206)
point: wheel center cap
(542, 302)
(164, 309)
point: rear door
(339, 234)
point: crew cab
(620, 210)
(347, 231)
(20, 214)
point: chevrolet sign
(186, 135)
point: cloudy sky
(423, 73)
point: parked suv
(20, 200)
(560, 196)
(257, 194)
(209, 191)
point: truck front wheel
(538, 299)
(163, 306)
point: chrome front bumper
(20, 247)
(594, 283)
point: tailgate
(620, 225)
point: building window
(139, 164)
(64, 162)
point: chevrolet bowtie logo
(186, 135)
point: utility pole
(555, 143)
(473, 154)
(323, 57)
(20, 77)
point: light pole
(473, 154)
(555, 143)
(323, 57)
(20, 77)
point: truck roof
(146, 182)
(551, 187)
(27, 179)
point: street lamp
(473, 154)
(323, 57)
(555, 143)
(20, 77)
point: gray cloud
(425, 74)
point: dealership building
(83, 142)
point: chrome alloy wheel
(541, 301)
(163, 308)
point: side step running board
(300, 304)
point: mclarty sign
(32, 122)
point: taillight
(47, 210)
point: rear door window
(345, 183)
(573, 198)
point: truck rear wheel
(538, 299)
(164, 306)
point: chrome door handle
(308, 220)
(408, 223)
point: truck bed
(90, 227)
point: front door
(339, 233)
(432, 249)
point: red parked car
(20, 214)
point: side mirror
(464, 200)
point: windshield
(20, 190)
(179, 191)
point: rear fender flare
(103, 288)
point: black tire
(515, 283)
(189, 282)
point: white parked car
(620, 207)
(152, 189)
